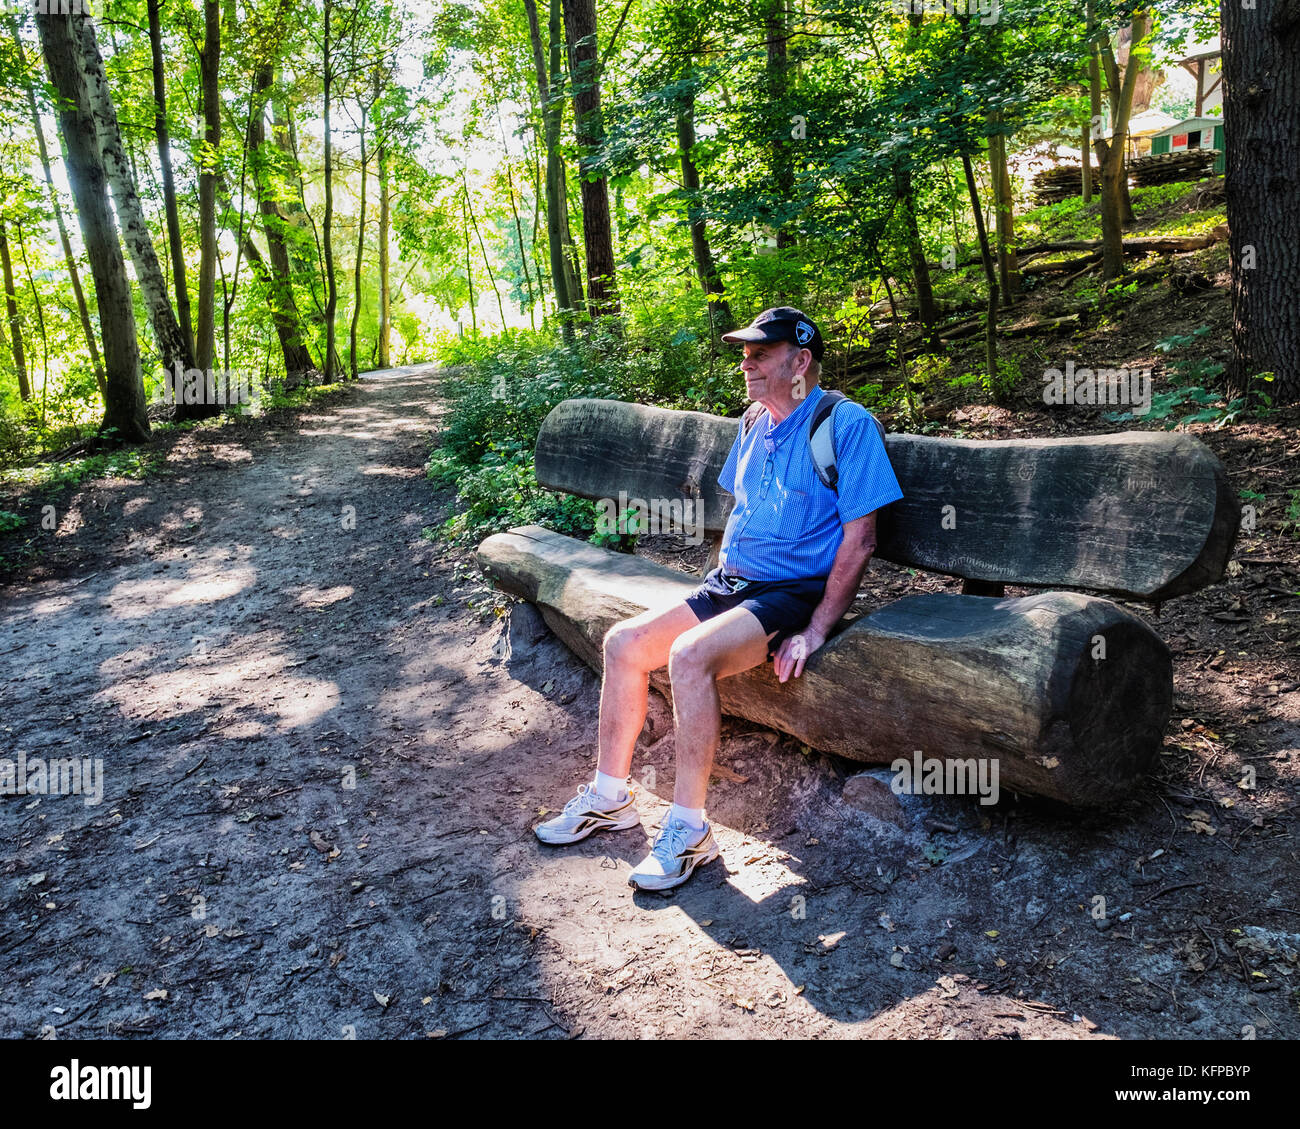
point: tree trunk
(173, 347)
(706, 268)
(331, 284)
(777, 81)
(209, 70)
(1114, 179)
(385, 298)
(597, 238)
(284, 308)
(991, 320)
(926, 306)
(469, 269)
(361, 251)
(1086, 157)
(70, 259)
(1003, 205)
(183, 316)
(556, 197)
(11, 310)
(125, 417)
(1261, 124)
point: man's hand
(795, 651)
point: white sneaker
(589, 811)
(677, 851)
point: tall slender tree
(125, 417)
(597, 237)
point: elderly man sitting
(793, 554)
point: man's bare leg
(633, 648)
(724, 645)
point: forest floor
(324, 743)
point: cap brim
(751, 333)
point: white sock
(692, 817)
(610, 787)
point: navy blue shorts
(783, 606)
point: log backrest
(1147, 515)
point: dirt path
(321, 767)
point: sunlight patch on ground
(323, 597)
(219, 678)
(135, 599)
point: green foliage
(1192, 375)
(128, 462)
(10, 521)
(502, 492)
(1291, 521)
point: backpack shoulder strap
(750, 417)
(821, 438)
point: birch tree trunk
(125, 417)
(69, 259)
(173, 348)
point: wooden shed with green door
(1192, 133)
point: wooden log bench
(1070, 692)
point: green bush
(503, 492)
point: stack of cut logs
(1163, 168)
(1062, 182)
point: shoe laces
(671, 839)
(585, 794)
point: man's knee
(688, 659)
(623, 644)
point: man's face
(770, 368)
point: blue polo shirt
(786, 524)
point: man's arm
(841, 587)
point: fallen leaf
(211, 930)
(896, 959)
(999, 962)
(548, 685)
(383, 1000)
(156, 994)
(427, 1001)
(949, 986)
(318, 841)
(442, 1031)
(747, 1004)
(990, 933)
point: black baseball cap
(781, 323)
